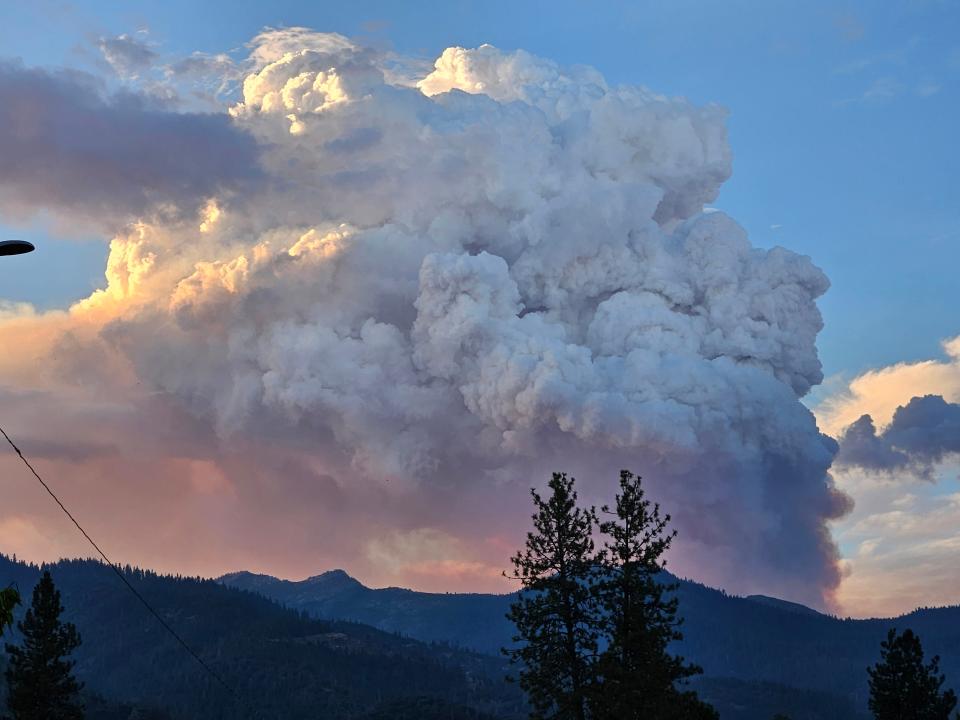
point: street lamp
(15, 247)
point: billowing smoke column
(472, 275)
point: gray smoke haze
(453, 284)
(66, 147)
(923, 432)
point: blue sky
(842, 123)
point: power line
(120, 575)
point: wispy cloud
(850, 26)
(928, 88)
(953, 59)
(898, 72)
(881, 89)
(128, 55)
(886, 89)
(879, 92)
(897, 57)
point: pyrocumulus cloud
(460, 280)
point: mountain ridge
(239, 576)
(782, 645)
(760, 658)
(278, 662)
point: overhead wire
(183, 643)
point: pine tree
(640, 678)
(902, 687)
(40, 681)
(9, 599)
(555, 613)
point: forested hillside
(756, 652)
(475, 621)
(761, 656)
(281, 663)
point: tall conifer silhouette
(40, 678)
(555, 614)
(641, 679)
(903, 687)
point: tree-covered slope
(783, 647)
(760, 656)
(475, 621)
(279, 662)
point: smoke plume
(449, 284)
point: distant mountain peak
(330, 575)
(246, 577)
(333, 578)
(783, 604)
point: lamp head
(15, 247)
